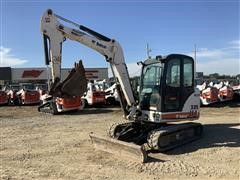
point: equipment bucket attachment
(123, 150)
(74, 85)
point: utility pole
(195, 52)
(148, 52)
(195, 57)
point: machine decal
(47, 20)
(77, 33)
(101, 45)
(194, 107)
(191, 114)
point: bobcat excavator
(167, 93)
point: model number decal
(194, 107)
(47, 20)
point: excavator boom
(56, 33)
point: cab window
(188, 73)
(173, 73)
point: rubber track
(49, 110)
(158, 134)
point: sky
(166, 26)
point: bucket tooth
(121, 149)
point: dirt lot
(41, 146)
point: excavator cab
(166, 83)
(167, 94)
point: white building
(41, 75)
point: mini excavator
(162, 117)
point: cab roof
(162, 59)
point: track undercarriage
(147, 137)
(48, 107)
(160, 137)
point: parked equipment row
(28, 93)
(212, 92)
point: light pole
(148, 52)
(195, 52)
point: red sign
(31, 73)
(91, 74)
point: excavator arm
(55, 33)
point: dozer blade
(123, 150)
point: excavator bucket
(121, 149)
(74, 85)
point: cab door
(178, 82)
(172, 85)
(187, 79)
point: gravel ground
(42, 146)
